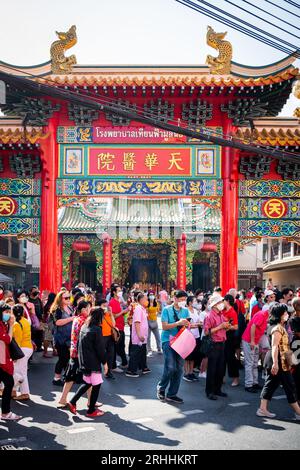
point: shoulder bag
(115, 333)
(15, 351)
(206, 345)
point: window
(15, 249)
(274, 250)
(265, 252)
(297, 249)
(3, 246)
(286, 249)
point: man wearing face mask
(173, 318)
(34, 298)
(216, 325)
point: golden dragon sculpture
(60, 63)
(219, 65)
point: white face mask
(23, 300)
(151, 297)
(120, 294)
(195, 304)
(182, 304)
(220, 307)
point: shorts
(195, 354)
(94, 379)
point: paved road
(135, 419)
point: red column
(229, 225)
(181, 262)
(49, 236)
(107, 263)
(59, 260)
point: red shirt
(213, 320)
(241, 306)
(5, 338)
(255, 309)
(231, 315)
(116, 308)
(260, 319)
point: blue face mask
(5, 317)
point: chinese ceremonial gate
(80, 160)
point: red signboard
(136, 161)
(275, 208)
(8, 206)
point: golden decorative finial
(296, 90)
(219, 65)
(60, 63)
(297, 113)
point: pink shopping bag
(183, 343)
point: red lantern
(208, 247)
(81, 245)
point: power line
(282, 8)
(237, 27)
(262, 19)
(239, 20)
(57, 93)
(292, 3)
(273, 16)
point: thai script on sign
(135, 134)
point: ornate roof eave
(20, 136)
(281, 136)
(160, 75)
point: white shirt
(202, 316)
(195, 318)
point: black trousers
(230, 360)
(94, 395)
(272, 383)
(120, 351)
(37, 337)
(63, 353)
(296, 377)
(8, 381)
(109, 346)
(138, 358)
(215, 369)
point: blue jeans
(173, 369)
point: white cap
(268, 292)
(268, 306)
(215, 299)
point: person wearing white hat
(216, 326)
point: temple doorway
(87, 270)
(144, 271)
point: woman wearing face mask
(63, 319)
(6, 363)
(153, 310)
(230, 345)
(108, 322)
(216, 326)
(195, 324)
(278, 365)
(115, 304)
(138, 356)
(22, 335)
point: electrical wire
(282, 8)
(273, 16)
(109, 100)
(237, 27)
(292, 3)
(263, 19)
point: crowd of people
(257, 330)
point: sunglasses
(66, 298)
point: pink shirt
(213, 320)
(140, 316)
(260, 319)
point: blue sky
(134, 32)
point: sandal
(95, 414)
(11, 417)
(72, 408)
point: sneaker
(221, 394)
(175, 399)
(160, 394)
(250, 390)
(146, 371)
(131, 374)
(265, 414)
(118, 370)
(58, 382)
(297, 417)
(196, 370)
(202, 375)
(149, 353)
(194, 378)
(110, 376)
(187, 378)
(211, 396)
